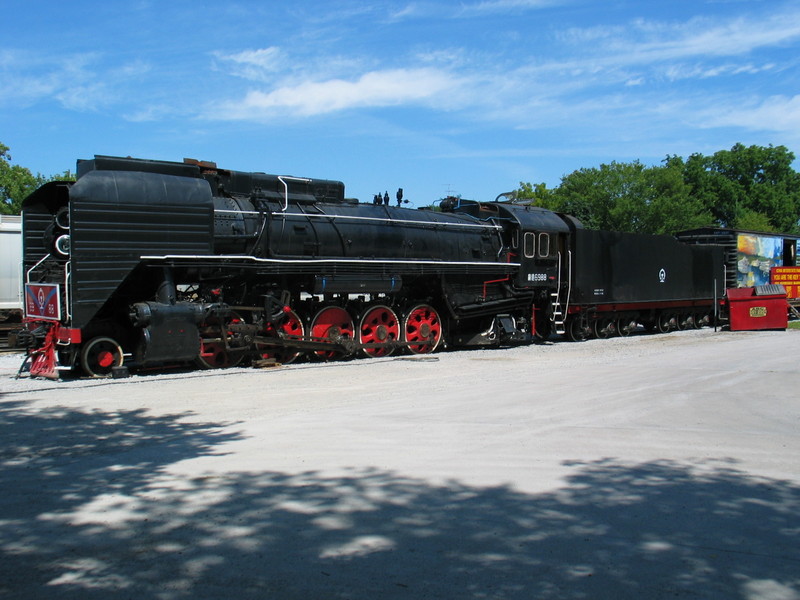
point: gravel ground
(646, 467)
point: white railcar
(10, 266)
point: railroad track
(5, 329)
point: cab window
(544, 244)
(530, 245)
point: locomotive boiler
(143, 263)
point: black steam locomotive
(143, 263)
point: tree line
(16, 182)
(746, 187)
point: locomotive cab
(537, 239)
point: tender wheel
(101, 355)
(332, 324)
(626, 326)
(604, 328)
(379, 325)
(289, 324)
(215, 343)
(422, 324)
(577, 331)
(664, 323)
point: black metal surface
(116, 216)
(613, 267)
(169, 331)
(153, 255)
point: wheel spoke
(215, 339)
(604, 328)
(100, 355)
(665, 323)
(577, 331)
(332, 324)
(289, 325)
(378, 325)
(422, 324)
(626, 326)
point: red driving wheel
(289, 325)
(215, 339)
(332, 324)
(422, 324)
(380, 327)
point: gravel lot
(646, 467)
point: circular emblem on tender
(662, 276)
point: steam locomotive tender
(144, 263)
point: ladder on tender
(559, 314)
(558, 317)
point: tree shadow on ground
(90, 511)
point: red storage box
(761, 307)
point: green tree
(16, 182)
(537, 194)
(754, 221)
(669, 204)
(746, 187)
(623, 197)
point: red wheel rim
(213, 352)
(379, 325)
(100, 356)
(289, 324)
(332, 324)
(423, 325)
(214, 355)
(105, 359)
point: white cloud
(373, 89)
(411, 10)
(776, 113)
(599, 67)
(20, 90)
(80, 82)
(84, 97)
(502, 6)
(255, 65)
(272, 65)
(710, 37)
(656, 44)
(467, 10)
(26, 78)
(152, 112)
(594, 79)
(678, 71)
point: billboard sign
(788, 277)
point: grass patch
(794, 324)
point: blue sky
(467, 97)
